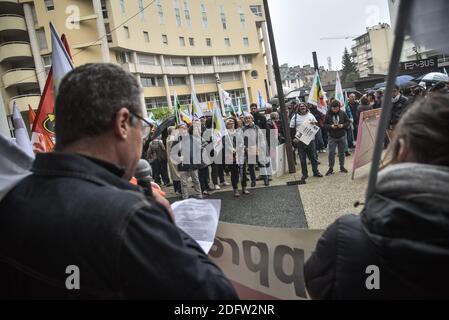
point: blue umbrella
(401, 80)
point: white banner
(264, 263)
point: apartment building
(169, 45)
(372, 50)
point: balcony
(19, 77)
(14, 51)
(227, 68)
(175, 70)
(204, 69)
(24, 100)
(11, 23)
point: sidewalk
(323, 199)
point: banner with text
(264, 263)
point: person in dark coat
(336, 124)
(75, 228)
(400, 104)
(398, 248)
(259, 119)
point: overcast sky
(299, 24)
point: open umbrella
(433, 77)
(402, 80)
(171, 121)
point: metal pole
(277, 74)
(315, 61)
(387, 105)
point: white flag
(339, 96)
(22, 139)
(61, 62)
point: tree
(349, 70)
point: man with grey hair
(77, 216)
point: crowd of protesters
(77, 206)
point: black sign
(420, 66)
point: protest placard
(366, 138)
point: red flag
(44, 123)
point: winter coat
(399, 244)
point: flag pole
(387, 105)
(277, 73)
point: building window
(104, 9)
(40, 34)
(141, 10)
(257, 10)
(227, 60)
(242, 17)
(182, 42)
(247, 59)
(164, 39)
(122, 6)
(49, 5)
(223, 17)
(177, 13)
(204, 78)
(156, 102)
(148, 81)
(246, 42)
(209, 42)
(227, 42)
(107, 28)
(175, 61)
(203, 15)
(192, 42)
(177, 81)
(127, 34)
(34, 14)
(198, 61)
(187, 12)
(147, 59)
(146, 36)
(124, 57)
(160, 12)
(46, 61)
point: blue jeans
(309, 151)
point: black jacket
(398, 110)
(409, 243)
(343, 119)
(260, 120)
(78, 211)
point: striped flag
(317, 95)
(260, 99)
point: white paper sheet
(199, 219)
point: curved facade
(171, 45)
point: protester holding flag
(353, 106)
(336, 124)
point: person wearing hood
(402, 233)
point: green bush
(160, 113)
